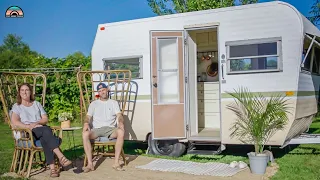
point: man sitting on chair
(107, 121)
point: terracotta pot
(65, 124)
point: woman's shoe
(64, 161)
(54, 173)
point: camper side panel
(308, 88)
(280, 21)
(307, 100)
(269, 20)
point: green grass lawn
(296, 162)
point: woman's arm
(43, 114)
(15, 121)
(43, 120)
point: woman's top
(30, 114)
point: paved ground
(104, 171)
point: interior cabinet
(208, 105)
(205, 39)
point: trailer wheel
(172, 148)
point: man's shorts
(104, 131)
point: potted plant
(258, 119)
(65, 118)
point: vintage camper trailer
(183, 65)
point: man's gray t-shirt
(103, 113)
(30, 114)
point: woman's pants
(48, 141)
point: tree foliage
(62, 88)
(164, 7)
(315, 12)
(14, 53)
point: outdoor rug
(209, 169)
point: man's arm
(120, 121)
(89, 118)
(86, 123)
(120, 118)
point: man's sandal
(64, 161)
(118, 168)
(54, 173)
(87, 169)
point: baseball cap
(101, 85)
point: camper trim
(201, 26)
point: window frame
(176, 70)
(310, 51)
(124, 58)
(278, 40)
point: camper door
(168, 91)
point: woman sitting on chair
(29, 114)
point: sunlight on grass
(301, 162)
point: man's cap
(101, 85)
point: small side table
(72, 129)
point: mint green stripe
(283, 93)
(307, 93)
(226, 95)
(140, 97)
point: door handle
(155, 85)
(222, 73)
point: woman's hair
(19, 100)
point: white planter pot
(258, 163)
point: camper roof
(307, 26)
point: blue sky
(58, 28)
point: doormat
(208, 169)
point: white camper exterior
(176, 98)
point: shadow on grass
(237, 153)
(314, 131)
(317, 120)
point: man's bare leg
(119, 134)
(86, 136)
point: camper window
(316, 61)
(254, 57)
(132, 63)
(306, 54)
(312, 57)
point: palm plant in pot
(258, 119)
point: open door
(168, 85)
(191, 93)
